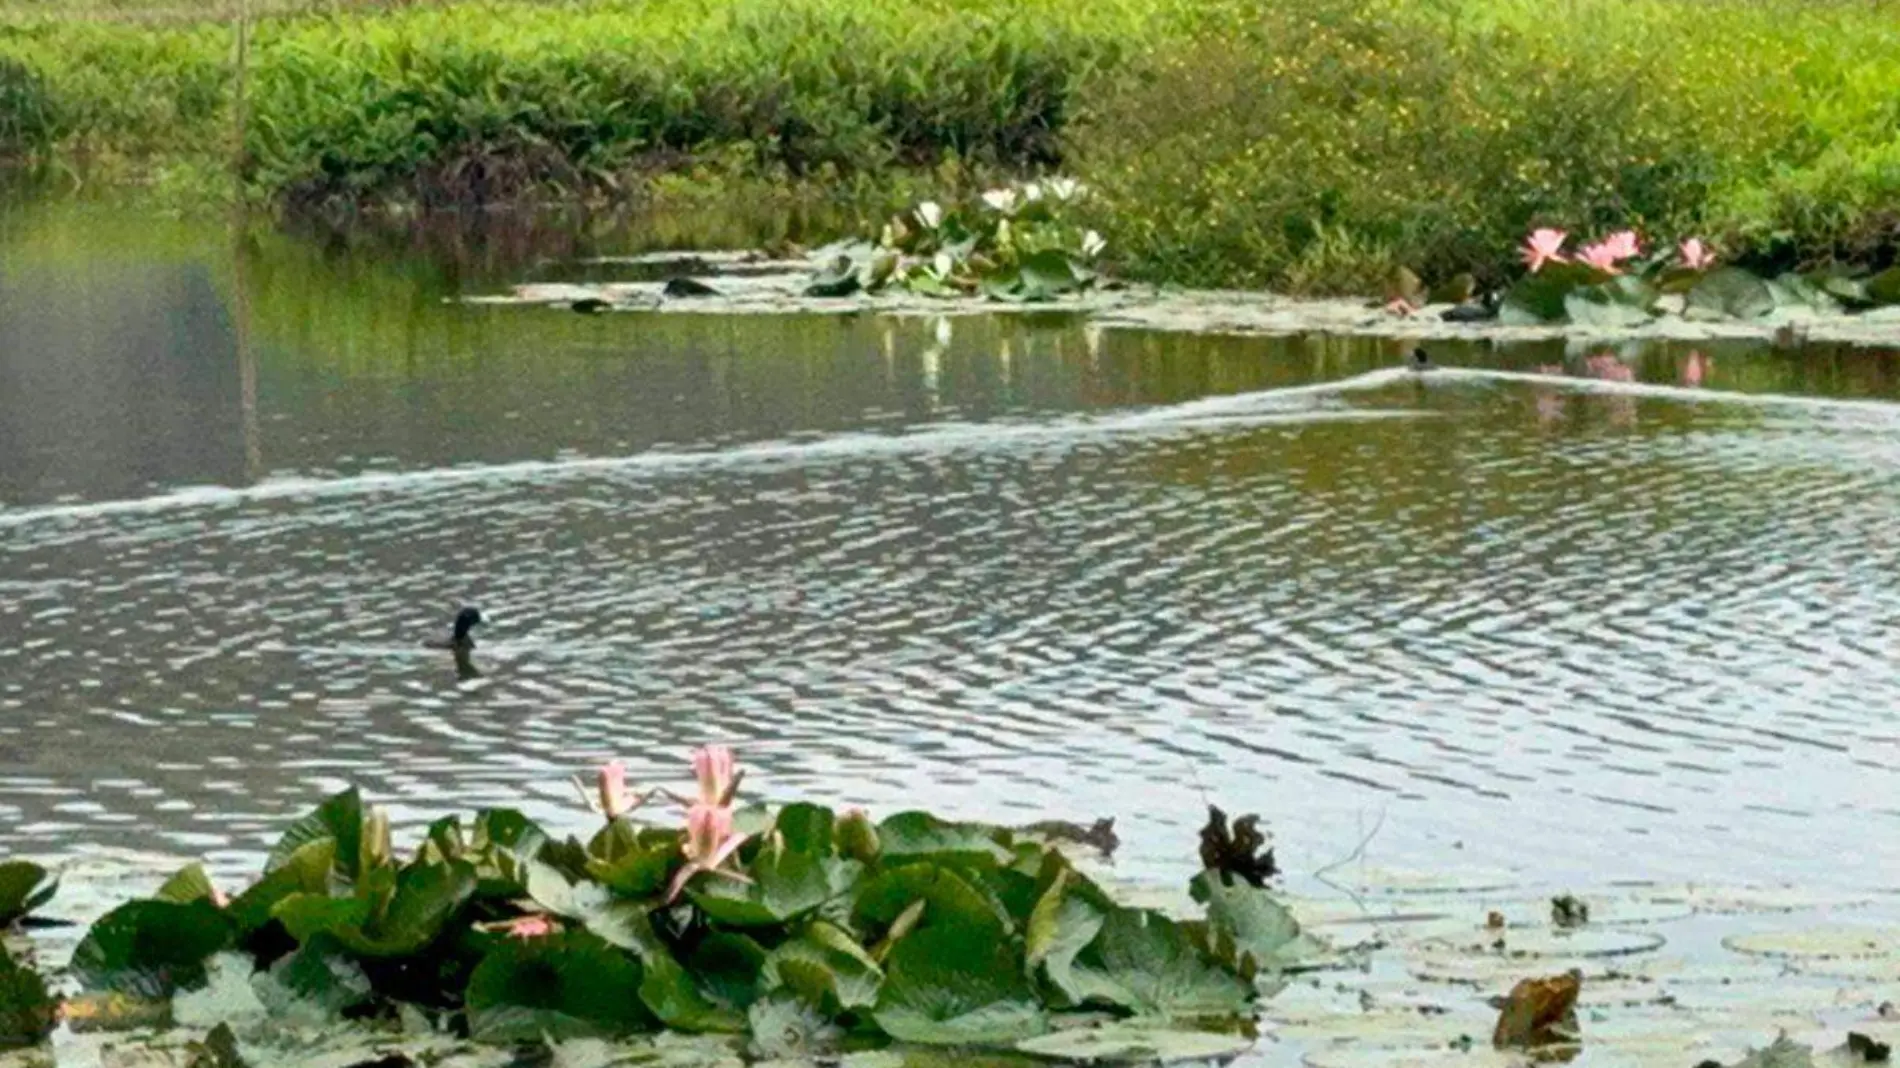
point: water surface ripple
(1577, 629)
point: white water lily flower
(1003, 200)
(943, 264)
(1093, 244)
(1065, 189)
(930, 213)
(1032, 192)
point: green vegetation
(807, 931)
(1316, 145)
(1304, 145)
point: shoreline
(748, 284)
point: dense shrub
(26, 121)
(470, 101)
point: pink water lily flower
(1622, 245)
(717, 773)
(1544, 246)
(615, 799)
(1601, 256)
(1695, 255)
(709, 842)
(530, 927)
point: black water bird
(462, 640)
(1484, 309)
(1421, 361)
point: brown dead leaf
(1540, 1012)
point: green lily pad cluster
(821, 932)
(1601, 288)
(1017, 244)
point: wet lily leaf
(806, 828)
(1539, 298)
(785, 885)
(1134, 1042)
(340, 819)
(24, 887)
(318, 980)
(1729, 292)
(727, 966)
(666, 989)
(826, 968)
(189, 884)
(633, 861)
(307, 870)
(949, 900)
(1148, 964)
(784, 1028)
(567, 985)
(1622, 301)
(921, 836)
(1061, 926)
(27, 1009)
(1248, 923)
(393, 914)
(953, 987)
(151, 949)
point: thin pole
(240, 103)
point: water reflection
(1015, 569)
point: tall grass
(1315, 144)
(1300, 144)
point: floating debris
(1237, 853)
(1540, 1012)
(1568, 910)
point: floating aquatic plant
(1015, 243)
(795, 925)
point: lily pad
(1539, 298)
(784, 885)
(949, 900)
(1134, 1042)
(1254, 931)
(1060, 928)
(631, 861)
(827, 968)
(1819, 943)
(151, 949)
(568, 985)
(307, 870)
(340, 819)
(317, 981)
(1619, 302)
(1148, 964)
(947, 986)
(393, 914)
(1884, 288)
(1729, 293)
(921, 836)
(189, 884)
(24, 887)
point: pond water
(1011, 568)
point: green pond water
(1012, 568)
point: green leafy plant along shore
(1306, 146)
(805, 930)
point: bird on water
(1421, 361)
(462, 638)
(462, 641)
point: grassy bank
(1308, 145)
(1313, 145)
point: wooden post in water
(240, 102)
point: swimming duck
(462, 641)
